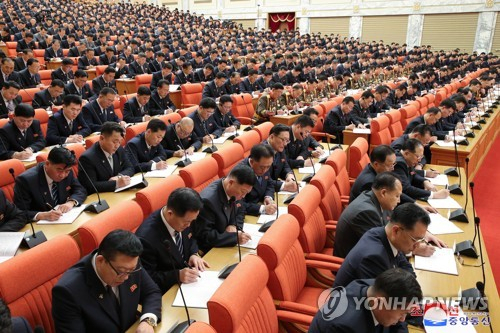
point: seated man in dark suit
(11, 217)
(170, 253)
(297, 152)
(65, 72)
(121, 68)
(68, 125)
(21, 61)
(391, 286)
(204, 74)
(223, 116)
(205, 126)
(145, 151)
(54, 51)
(180, 139)
(102, 291)
(232, 84)
(260, 200)
(87, 61)
(431, 118)
(29, 77)
(79, 86)
(139, 66)
(50, 189)
(215, 88)
(279, 137)
(165, 74)
(108, 57)
(106, 162)
(220, 223)
(50, 97)
(385, 247)
(7, 72)
(309, 141)
(101, 110)
(361, 110)
(107, 79)
(339, 119)
(185, 75)
(9, 98)
(26, 43)
(250, 84)
(136, 109)
(22, 136)
(160, 102)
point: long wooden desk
(476, 150)
(285, 120)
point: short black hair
(5, 319)
(310, 111)
(385, 180)
(143, 91)
(278, 86)
(72, 99)
(109, 127)
(81, 73)
(448, 103)
(184, 199)
(408, 214)
(434, 110)
(109, 70)
(57, 83)
(422, 129)
(120, 242)
(279, 128)
(208, 103)
(243, 174)
(367, 94)
(411, 145)
(224, 99)
(304, 121)
(106, 91)
(398, 283)
(61, 155)
(261, 151)
(156, 125)
(380, 153)
(348, 99)
(24, 110)
(162, 83)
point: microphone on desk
(482, 119)
(212, 149)
(144, 182)
(231, 137)
(455, 188)
(453, 172)
(292, 196)
(323, 160)
(308, 178)
(94, 207)
(181, 327)
(474, 298)
(32, 99)
(228, 269)
(466, 248)
(36, 238)
(268, 224)
(246, 129)
(460, 215)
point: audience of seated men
(68, 125)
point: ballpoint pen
(188, 266)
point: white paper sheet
(32, 158)
(442, 143)
(361, 131)
(9, 243)
(134, 180)
(441, 225)
(301, 186)
(220, 140)
(161, 173)
(198, 293)
(442, 261)
(263, 218)
(66, 218)
(439, 180)
(253, 230)
(195, 157)
(444, 203)
(309, 170)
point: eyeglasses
(182, 131)
(415, 240)
(418, 157)
(284, 140)
(123, 274)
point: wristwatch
(150, 321)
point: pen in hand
(188, 266)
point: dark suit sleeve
(408, 188)
(66, 311)
(206, 227)
(91, 169)
(150, 295)
(22, 196)
(196, 142)
(128, 114)
(78, 192)
(13, 218)
(53, 136)
(82, 129)
(332, 124)
(133, 157)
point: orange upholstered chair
(91, 140)
(155, 195)
(39, 55)
(99, 70)
(243, 108)
(200, 174)
(395, 127)
(117, 105)
(284, 257)
(227, 157)
(45, 76)
(11, 49)
(143, 80)
(338, 160)
(380, 133)
(3, 121)
(441, 95)
(174, 117)
(264, 129)
(247, 140)
(358, 157)
(331, 204)
(187, 111)
(408, 113)
(27, 95)
(191, 94)
(134, 130)
(125, 98)
(200, 327)
(422, 102)
(76, 147)
(431, 99)
(6, 179)
(126, 215)
(26, 281)
(327, 106)
(43, 117)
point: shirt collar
(171, 230)
(375, 321)
(394, 250)
(96, 273)
(49, 180)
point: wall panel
(246, 23)
(496, 38)
(387, 28)
(450, 31)
(328, 25)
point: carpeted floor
(487, 198)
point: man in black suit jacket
(26, 43)
(101, 293)
(108, 57)
(107, 79)
(50, 97)
(205, 126)
(165, 74)
(170, 250)
(250, 84)
(423, 134)
(22, 136)
(339, 119)
(101, 110)
(369, 210)
(65, 72)
(346, 315)
(382, 248)
(185, 75)
(7, 72)
(297, 152)
(180, 139)
(121, 68)
(68, 125)
(431, 118)
(261, 198)
(223, 116)
(232, 84)
(279, 137)
(215, 88)
(77, 51)
(50, 189)
(106, 162)
(136, 109)
(160, 102)
(9, 98)
(87, 61)
(79, 86)
(29, 77)
(145, 151)
(21, 61)
(155, 65)
(54, 51)
(139, 66)
(204, 74)
(11, 217)
(223, 214)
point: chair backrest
(441, 95)
(431, 99)
(174, 117)
(155, 195)
(327, 106)
(6, 179)
(38, 269)
(76, 147)
(228, 314)
(132, 131)
(227, 157)
(337, 160)
(408, 113)
(89, 142)
(331, 204)
(28, 94)
(117, 105)
(143, 80)
(42, 116)
(200, 174)
(284, 257)
(11, 49)
(395, 126)
(45, 76)
(99, 70)
(358, 157)
(423, 102)
(187, 111)
(380, 133)
(247, 141)
(243, 107)
(264, 129)
(126, 215)
(3, 121)
(305, 207)
(191, 93)
(200, 327)
(125, 98)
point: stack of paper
(198, 293)
(220, 140)
(161, 173)
(361, 130)
(441, 225)
(444, 203)
(309, 170)
(442, 143)
(253, 230)
(9, 243)
(438, 180)
(301, 186)
(442, 261)
(134, 180)
(66, 218)
(195, 156)
(32, 158)
(263, 218)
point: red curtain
(277, 19)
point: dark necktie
(178, 242)
(114, 299)
(55, 193)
